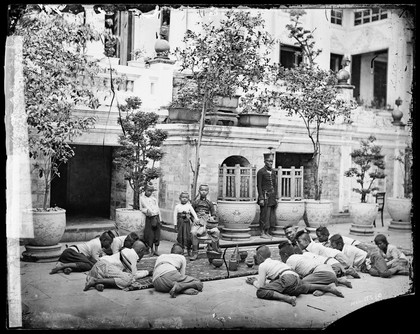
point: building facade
(378, 42)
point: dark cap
(268, 156)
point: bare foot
(352, 272)
(156, 253)
(190, 291)
(318, 293)
(344, 282)
(99, 287)
(59, 266)
(67, 271)
(90, 283)
(291, 300)
(174, 290)
(334, 291)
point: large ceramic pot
(128, 220)
(362, 216)
(236, 217)
(288, 213)
(253, 120)
(183, 115)
(400, 211)
(318, 212)
(48, 227)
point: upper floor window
(290, 56)
(337, 16)
(362, 16)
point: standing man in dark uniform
(267, 196)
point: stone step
(77, 230)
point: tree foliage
(310, 93)
(222, 58)
(140, 145)
(57, 77)
(367, 157)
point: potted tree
(310, 93)
(399, 208)
(367, 157)
(254, 106)
(221, 59)
(56, 79)
(140, 149)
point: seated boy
(169, 274)
(118, 270)
(207, 215)
(394, 258)
(285, 284)
(83, 256)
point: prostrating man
(306, 244)
(267, 196)
(285, 284)
(83, 256)
(324, 238)
(118, 270)
(372, 262)
(290, 233)
(169, 274)
(312, 269)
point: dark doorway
(356, 61)
(379, 83)
(84, 186)
(289, 159)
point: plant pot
(136, 63)
(128, 220)
(183, 115)
(400, 211)
(114, 61)
(317, 213)
(288, 213)
(362, 216)
(227, 103)
(48, 227)
(236, 216)
(253, 120)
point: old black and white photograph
(210, 166)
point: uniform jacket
(267, 186)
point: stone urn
(400, 211)
(317, 213)
(288, 213)
(48, 227)
(362, 216)
(236, 218)
(128, 220)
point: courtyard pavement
(59, 302)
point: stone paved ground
(59, 302)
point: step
(86, 230)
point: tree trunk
(136, 198)
(197, 151)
